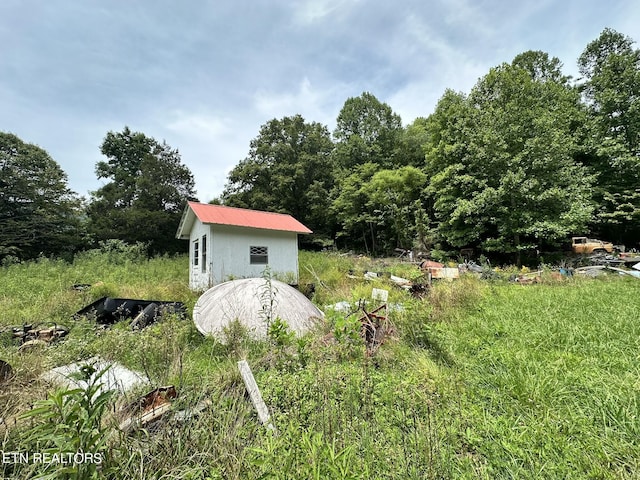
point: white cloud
(209, 146)
(314, 104)
(198, 125)
(430, 63)
(470, 16)
(312, 11)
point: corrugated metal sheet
(242, 217)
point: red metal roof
(243, 217)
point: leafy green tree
(350, 208)
(610, 67)
(367, 131)
(501, 161)
(288, 170)
(541, 67)
(448, 159)
(38, 212)
(411, 144)
(146, 195)
(370, 140)
(395, 199)
(380, 207)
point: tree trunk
(516, 241)
(364, 237)
(373, 239)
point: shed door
(206, 260)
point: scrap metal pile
(375, 327)
(622, 264)
(107, 310)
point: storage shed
(229, 243)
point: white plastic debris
(116, 377)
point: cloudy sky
(204, 75)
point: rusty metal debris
(155, 405)
(107, 310)
(149, 408)
(375, 326)
(438, 270)
(32, 345)
(29, 333)
(429, 264)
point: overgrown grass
(479, 379)
(549, 380)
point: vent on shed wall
(258, 255)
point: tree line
(523, 161)
(142, 200)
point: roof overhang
(186, 223)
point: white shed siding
(231, 253)
(199, 280)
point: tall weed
(68, 433)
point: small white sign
(380, 294)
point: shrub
(117, 252)
(68, 426)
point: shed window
(258, 255)
(204, 253)
(196, 252)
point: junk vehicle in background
(590, 245)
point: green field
(481, 379)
